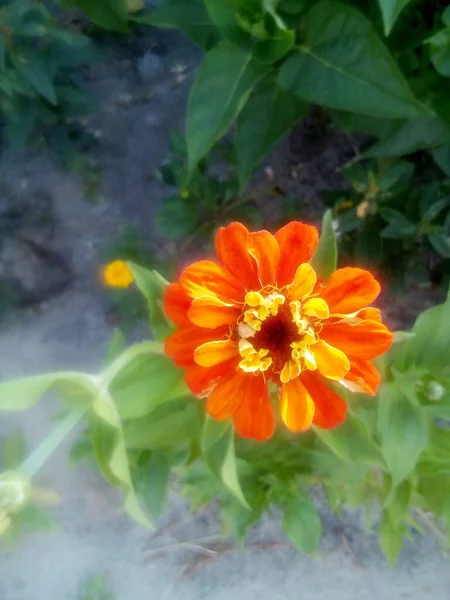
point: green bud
(15, 489)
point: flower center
(276, 336)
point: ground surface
(142, 99)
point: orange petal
(263, 247)
(305, 279)
(206, 278)
(330, 408)
(371, 314)
(297, 243)
(212, 353)
(364, 376)
(226, 397)
(211, 312)
(181, 345)
(201, 380)
(231, 249)
(349, 290)
(297, 406)
(177, 304)
(254, 417)
(331, 362)
(365, 339)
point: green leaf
(155, 483)
(431, 211)
(171, 423)
(301, 523)
(441, 156)
(145, 383)
(275, 47)
(153, 286)
(224, 83)
(37, 76)
(325, 257)
(223, 15)
(404, 430)
(391, 539)
(13, 450)
(411, 136)
(351, 442)
(22, 394)
(430, 346)
(219, 454)
(109, 14)
(176, 218)
(440, 243)
(390, 9)
(116, 456)
(190, 17)
(343, 64)
(268, 116)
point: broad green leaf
(403, 427)
(402, 336)
(116, 346)
(353, 123)
(391, 539)
(145, 383)
(223, 85)
(155, 483)
(190, 17)
(325, 257)
(275, 47)
(177, 219)
(221, 458)
(411, 136)
(109, 14)
(430, 346)
(301, 523)
(13, 450)
(223, 15)
(343, 64)
(351, 442)
(22, 394)
(117, 456)
(171, 423)
(37, 75)
(269, 114)
(390, 9)
(441, 156)
(153, 285)
(440, 243)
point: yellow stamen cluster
(305, 314)
(253, 360)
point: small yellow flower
(117, 274)
(362, 209)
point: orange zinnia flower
(261, 315)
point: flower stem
(41, 454)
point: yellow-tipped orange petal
(303, 284)
(211, 312)
(206, 278)
(263, 247)
(254, 416)
(365, 340)
(297, 243)
(349, 290)
(181, 345)
(316, 307)
(331, 362)
(330, 408)
(297, 406)
(212, 353)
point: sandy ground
(72, 330)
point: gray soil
(65, 322)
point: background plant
(143, 428)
